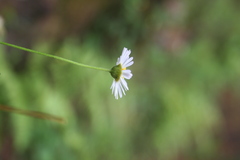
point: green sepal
(116, 72)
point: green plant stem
(56, 57)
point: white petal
(125, 55)
(113, 86)
(129, 64)
(125, 86)
(124, 52)
(116, 90)
(123, 90)
(126, 63)
(118, 61)
(121, 87)
(127, 74)
(119, 90)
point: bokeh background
(184, 97)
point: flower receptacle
(116, 72)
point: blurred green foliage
(185, 53)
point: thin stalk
(35, 114)
(56, 57)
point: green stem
(56, 57)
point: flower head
(120, 72)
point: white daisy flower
(120, 72)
